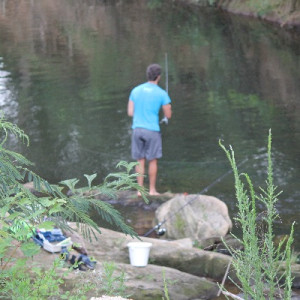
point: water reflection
(67, 69)
(8, 105)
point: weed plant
(112, 284)
(257, 265)
(21, 212)
(107, 282)
(166, 290)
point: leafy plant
(21, 211)
(112, 284)
(257, 265)
(40, 285)
(166, 291)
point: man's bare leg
(140, 168)
(152, 177)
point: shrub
(21, 211)
(257, 265)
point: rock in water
(195, 216)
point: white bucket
(139, 253)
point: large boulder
(144, 283)
(183, 267)
(196, 216)
(178, 254)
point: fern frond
(112, 216)
(17, 157)
(8, 127)
(90, 178)
(40, 184)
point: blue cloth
(148, 99)
(53, 236)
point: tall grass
(257, 265)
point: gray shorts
(146, 144)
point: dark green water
(67, 67)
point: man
(144, 105)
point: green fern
(10, 128)
(18, 204)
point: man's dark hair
(153, 71)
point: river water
(67, 68)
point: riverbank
(284, 13)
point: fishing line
(188, 163)
(157, 227)
(167, 73)
(165, 120)
(164, 162)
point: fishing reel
(164, 120)
(160, 231)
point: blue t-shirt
(148, 99)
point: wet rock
(221, 245)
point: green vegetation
(104, 282)
(280, 8)
(16, 284)
(21, 211)
(112, 285)
(166, 291)
(257, 266)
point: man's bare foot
(139, 194)
(154, 193)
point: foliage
(40, 285)
(21, 211)
(112, 285)
(166, 291)
(104, 282)
(43, 283)
(263, 7)
(258, 264)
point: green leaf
(70, 183)
(45, 201)
(55, 209)
(90, 178)
(59, 200)
(24, 201)
(48, 186)
(47, 225)
(5, 244)
(37, 214)
(30, 249)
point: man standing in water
(144, 105)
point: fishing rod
(161, 231)
(165, 119)
(167, 73)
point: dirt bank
(285, 13)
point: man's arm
(167, 109)
(130, 108)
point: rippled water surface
(67, 68)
